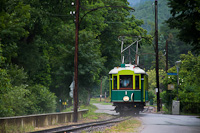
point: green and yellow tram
(128, 88)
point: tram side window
(126, 81)
(115, 82)
(137, 82)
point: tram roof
(133, 68)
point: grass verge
(127, 126)
(103, 101)
(91, 112)
(17, 129)
(91, 115)
(93, 108)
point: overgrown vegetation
(189, 90)
(17, 129)
(127, 126)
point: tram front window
(126, 82)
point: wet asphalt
(160, 123)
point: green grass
(91, 112)
(125, 126)
(91, 109)
(17, 129)
(92, 100)
(103, 101)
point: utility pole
(166, 56)
(157, 63)
(75, 116)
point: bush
(18, 98)
(41, 100)
(14, 102)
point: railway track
(79, 127)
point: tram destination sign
(171, 73)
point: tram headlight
(126, 98)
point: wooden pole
(157, 62)
(75, 116)
(166, 56)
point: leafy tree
(129, 27)
(41, 100)
(189, 82)
(185, 17)
(152, 81)
(5, 81)
(15, 101)
(17, 75)
(18, 98)
(13, 95)
(91, 62)
(188, 92)
(13, 18)
(105, 85)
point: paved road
(109, 109)
(161, 123)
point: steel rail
(96, 124)
(75, 127)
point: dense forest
(37, 51)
